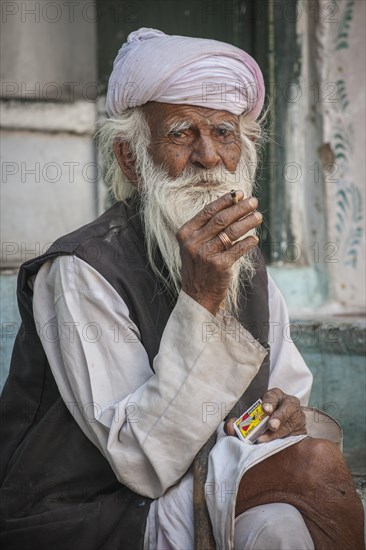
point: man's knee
(321, 449)
(323, 460)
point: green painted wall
(334, 350)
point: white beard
(169, 203)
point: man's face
(184, 136)
(195, 155)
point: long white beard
(169, 203)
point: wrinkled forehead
(162, 117)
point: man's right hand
(206, 263)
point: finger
(271, 399)
(229, 426)
(227, 216)
(233, 254)
(288, 419)
(268, 436)
(289, 410)
(271, 436)
(240, 228)
(284, 430)
(211, 209)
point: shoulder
(95, 234)
(114, 218)
(66, 273)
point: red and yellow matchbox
(251, 424)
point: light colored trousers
(272, 527)
(269, 527)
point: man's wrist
(211, 306)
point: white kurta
(150, 425)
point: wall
(319, 196)
(47, 108)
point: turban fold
(154, 66)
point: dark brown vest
(58, 491)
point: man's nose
(204, 153)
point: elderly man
(142, 330)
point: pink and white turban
(154, 66)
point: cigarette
(233, 196)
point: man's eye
(181, 136)
(224, 133)
(179, 133)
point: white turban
(153, 66)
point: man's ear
(125, 160)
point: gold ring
(225, 240)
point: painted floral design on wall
(344, 26)
(349, 213)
